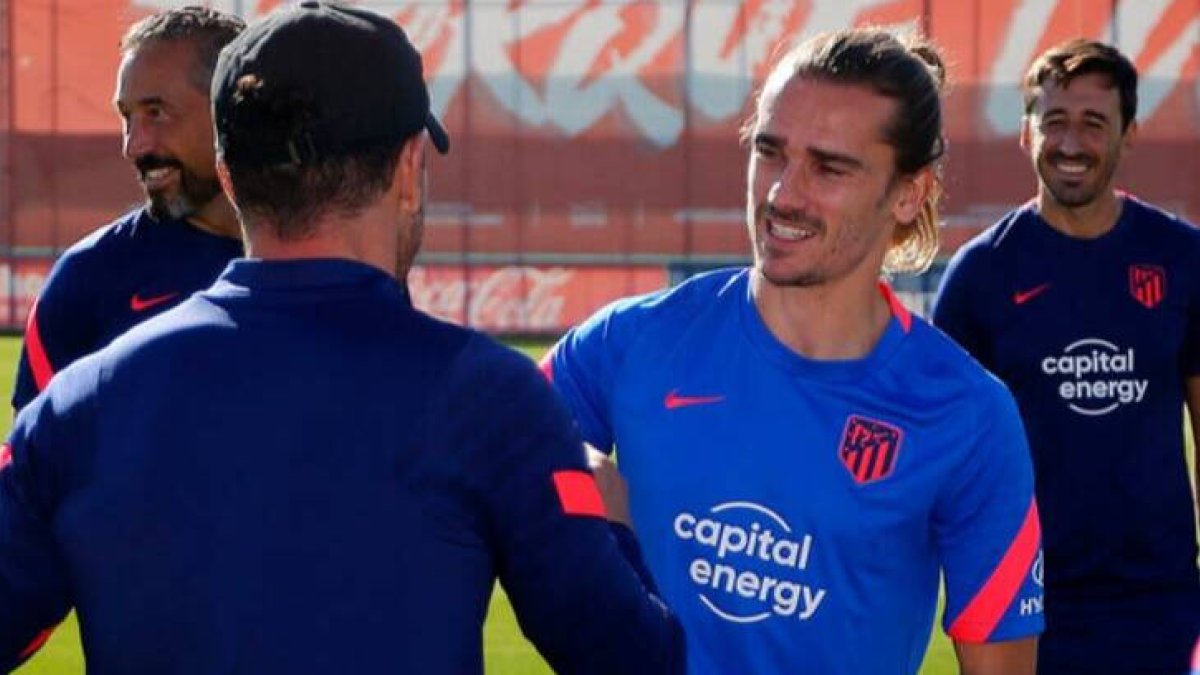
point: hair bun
(932, 57)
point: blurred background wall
(595, 149)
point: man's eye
(764, 150)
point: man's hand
(613, 489)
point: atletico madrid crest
(1147, 284)
(869, 448)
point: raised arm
(577, 583)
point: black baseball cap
(319, 79)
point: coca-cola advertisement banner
(525, 299)
(20, 281)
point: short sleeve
(988, 532)
(583, 368)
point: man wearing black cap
(295, 471)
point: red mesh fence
(595, 142)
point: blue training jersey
(1095, 338)
(296, 472)
(118, 276)
(796, 514)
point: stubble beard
(1072, 197)
(194, 193)
(804, 278)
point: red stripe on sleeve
(5, 455)
(985, 610)
(546, 365)
(898, 309)
(39, 362)
(37, 643)
(578, 494)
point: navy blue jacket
(296, 472)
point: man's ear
(409, 174)
(913, 191)
(225, 180)
(1129, 136)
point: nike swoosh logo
(1026, 296)
(674, 400)
(142, 304)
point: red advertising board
(525, 299)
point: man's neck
(360, 238)
(217, 217)
(835, 321)
(1088, 221)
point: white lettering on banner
(575, 99)
(1131, 28)
(596, 63)
(18, 290)
(1091, 370)
(719, 86)
(508, 298)
(744, 44)
(1003, 104)
(1157, 81)
(748, 563)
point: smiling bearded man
(154, 257)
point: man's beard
(193, 193)
(789, 217)
(1082, 195)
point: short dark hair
(291, 197)
(208, 29)
(910, 71)
(1066, 61)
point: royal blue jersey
(116, 277)
(796, 514)
(296, 472)
(1095, 338)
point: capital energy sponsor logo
(1096, 376)
(749, 564)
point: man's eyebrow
(767, 139)
(145, 100)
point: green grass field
(506, 651)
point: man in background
(295, 471)
(805, 458)
(179, 241)
(1086, 302)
